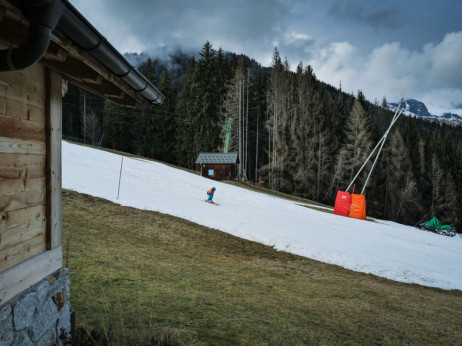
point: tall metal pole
(381, 146)
(379, 143)
(246, 167)
(256, 151)
(240, 131)
(84, 115)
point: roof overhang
(217, 158)
(82, 55)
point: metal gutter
(46, 15)
(79, 30)
(43, 15)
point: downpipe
(43, 16)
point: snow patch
(382, 248)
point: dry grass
(139, 276)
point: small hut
(218, 166)
(44, 43)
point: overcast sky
(392, 48)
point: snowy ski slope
(382, 248)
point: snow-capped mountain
(419, 110)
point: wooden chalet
(43, 44)
(218, 166)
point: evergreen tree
(199, 105)
(311, 136)
(279, 93)
(167, 118)
(357, 147)
(401, 195)
(186, 109)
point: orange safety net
(342, 203)
(358, 207)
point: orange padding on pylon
(342, 203)
(358, 207)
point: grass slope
(140, 277)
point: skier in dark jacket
(210, 194)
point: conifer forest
(287, 125)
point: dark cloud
(413, 48)
(372, 13)
(160, 23)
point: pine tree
(186, 115)
(234, 113)
(358, 145)
(280, 91)
(402, 198)
(167, 119)
(199, 107)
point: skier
(210, 194)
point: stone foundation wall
(40, 315)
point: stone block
(5, 312)
(62, 283)
(23, 311)
(64, 324)
(49, 338)
(6, 327)
(44, 320)
(22, 339)
(58, 299)
(43, 293)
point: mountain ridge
(418, 109)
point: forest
(286, 125)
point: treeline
(285, 125)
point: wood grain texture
(53, 192)
(17, 186)
(21, 224)
(22, 200)
(18, 166)
(22, 276)
(22, 109)
(22, 129)
(17, 146)
(23, 94)
(20, 252)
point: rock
(23, 311)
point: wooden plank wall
(54, 125)
(221, 171)
(23, 164)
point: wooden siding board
(22, 166)
(22, 251)
(221, 171)
(19, 233)
(54, 116)
(23, 93)
(20, 224)
(19, 110)
(22, 129)
(21, 200)
(17, 186)
(22, 276)
(26, 84)
(16, 146)
(16, 166)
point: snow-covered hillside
(381, 248)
